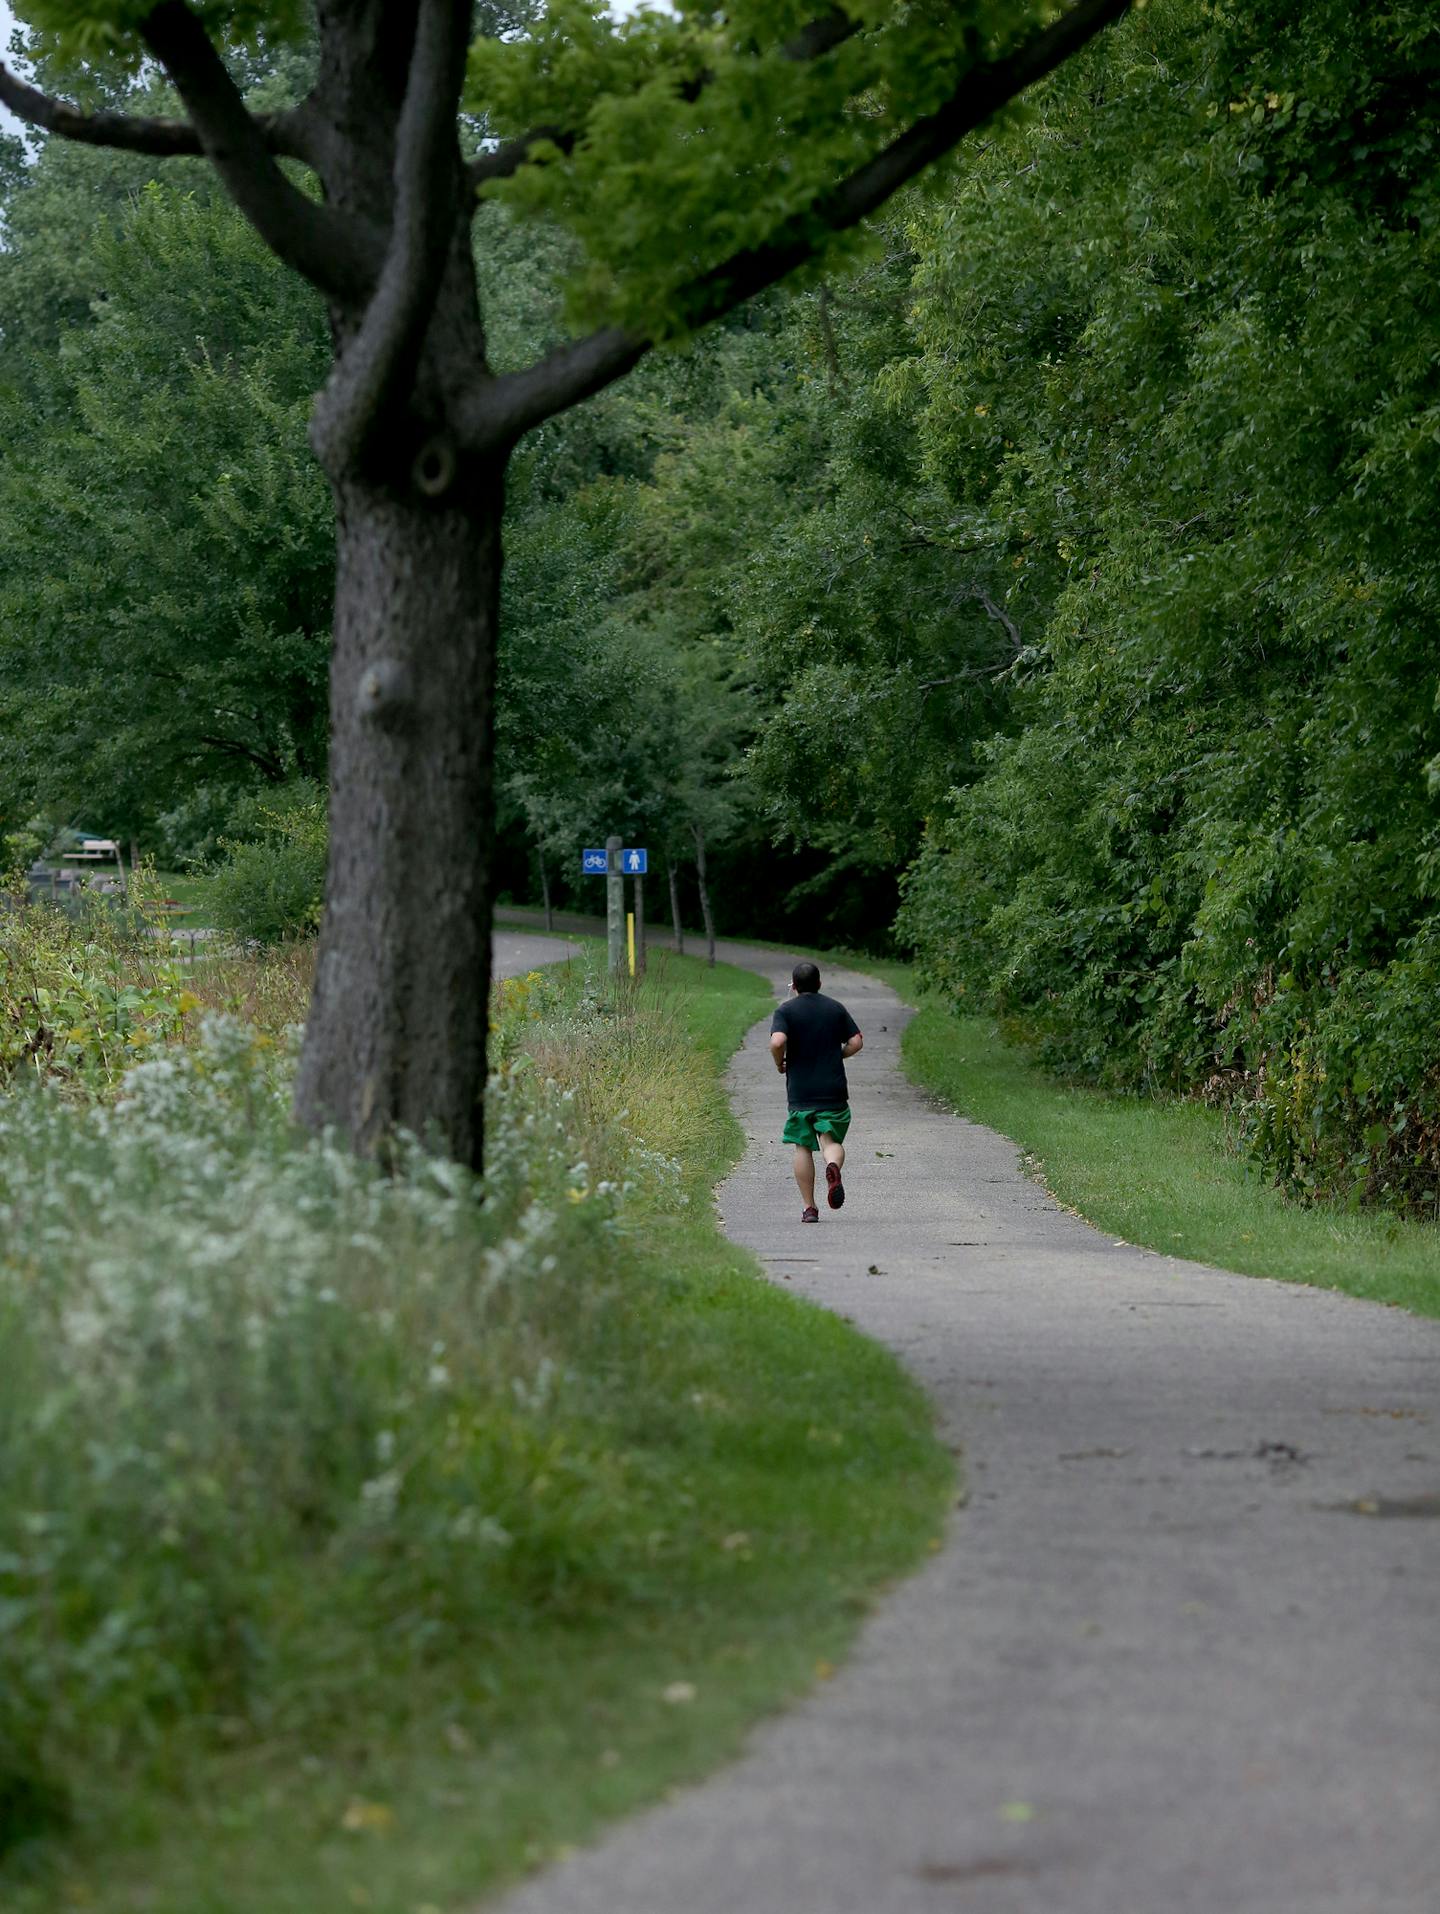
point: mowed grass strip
(763, 1471)
(1161, 1173)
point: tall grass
(269, 988)
(261, 1400)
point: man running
(810, 1038)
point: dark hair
(805, 975)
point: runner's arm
(778, 1041)
(850, 1046)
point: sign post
(634, 862)
(614, 906)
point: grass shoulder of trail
(773, 1471)
(1160, 1172)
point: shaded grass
(191, 890)
(1161, 1172)
(772, 1470)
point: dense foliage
(1075, 544)
(82, 996)
(1186, 364)
(159, 445)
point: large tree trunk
(398, 1021)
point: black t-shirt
(815, 1027)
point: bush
(270, 887)
(80, 997)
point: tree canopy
(1059, 551)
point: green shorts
(802, 1127)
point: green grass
(191, 891)
(773, 1471)
(1161, 1173)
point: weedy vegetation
(365, 1536)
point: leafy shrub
(80, 997)
(270, 886)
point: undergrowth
(364, 1538)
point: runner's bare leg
(805, 1176)
(834, 1152)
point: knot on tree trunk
(385, 696)
(437, 464)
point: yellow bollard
(630, 937)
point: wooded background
(1061, 575)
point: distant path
(513, 952)
(1173, 1658)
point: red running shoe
(835, 1194)
(811, 1215)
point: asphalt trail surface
(513, 953)
(1180, 1652)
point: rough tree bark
(397, 1025)
(399, 1016)
(414, 433)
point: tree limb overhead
(511, 405)
(979, 95)
(502, 409)
(132, 133)
(820, 36)
(334, 254)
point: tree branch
(980, 94)
(380, 360)
(262, 760)
(978, 595)
(511, 405)
(133, 133)
(970, 675)
(316, 242)
(822, 35)
(500, 410)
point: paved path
(1181, 1652)
(513, 953)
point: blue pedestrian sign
(592, 862)
(633, 863)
